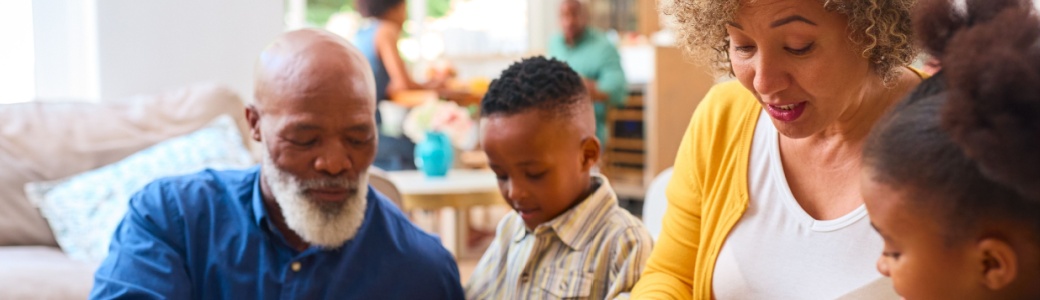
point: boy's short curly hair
(541, 83)
(881, 27)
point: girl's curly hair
(969, 138)
(881, 27)
(993, 67)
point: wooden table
(460, 190)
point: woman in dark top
(377, 40)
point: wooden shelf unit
(625, 151)
(646, 132)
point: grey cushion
(40, 272)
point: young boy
(567, 237)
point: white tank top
(777, 251)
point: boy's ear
(253, 117)
(999, 263)
(590, 150)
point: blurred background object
(100, 50)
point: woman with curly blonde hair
(764, 202)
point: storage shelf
(624, 151)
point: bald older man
(302, 225)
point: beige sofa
(43, 141)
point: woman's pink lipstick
(786, 113)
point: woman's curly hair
(881, 27)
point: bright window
(441, 28)
(17, 62)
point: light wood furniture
(625, 152)
(648, 17)
(413, 98)
(663, 112)
(459, 190)
(678, 86)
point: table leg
(461, 231)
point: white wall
(109, 49)
(542, 21)
(147, 46)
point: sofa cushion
(83, 210)
(40, 272)
(42, 141)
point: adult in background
(765, 200)
(590, 54)
(377, 39)
(302, 225)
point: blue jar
(435, 155)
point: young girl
(951, 177)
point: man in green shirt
(593, 57)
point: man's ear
(999, 263)
(253, 117)
(590, 151)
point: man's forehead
(305, 63)
(302, 121)
(317, 103)
(317, 92)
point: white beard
(326, 225)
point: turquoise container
(435, 156)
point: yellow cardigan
(706, 196)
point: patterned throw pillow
(84, 210)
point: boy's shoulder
(621, 218)
(618, 225)
(607, 219)
(614, 215)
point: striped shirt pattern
(595, 250)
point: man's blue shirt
(208, 236)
